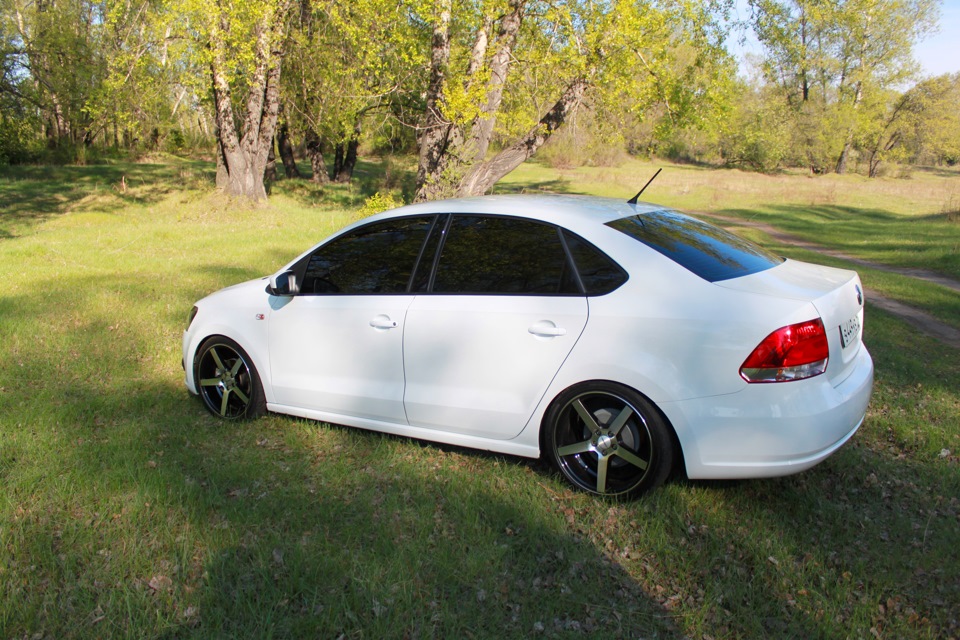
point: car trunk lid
(837, 295)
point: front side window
(378, 258)
(501, 255)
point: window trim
(441, 223)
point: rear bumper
(770, 430)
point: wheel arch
(678, 467)
(240, 382)
(259, 356)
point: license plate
(850, 331)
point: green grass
(127, 511)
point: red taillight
(790, 353)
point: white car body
(481, 371)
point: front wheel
(227, 380)
(608, 440)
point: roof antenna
(633, 200)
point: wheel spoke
(602, 462)
(571, 449)
(216, 358)
(586, 416)
(236, 366)
(223, 404)
(621, 420)
(241, 395)
(632, 458)
(209, 382)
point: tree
(921, 124)
(876, 51)
(58, 62)
(241, 44)
(510, 73)
(934, 135)
(828, 56)
(356, 64)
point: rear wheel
(227, 380)
(609, 440)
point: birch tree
(242, 45)
(506, 75)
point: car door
(501, 313)
(337, 346)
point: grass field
(128, 512)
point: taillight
(790, 353)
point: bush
(16, 139)
(378, 202)
(582, 144)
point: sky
(940, 53)
(937, 54)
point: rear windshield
(706, 250)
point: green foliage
(17, 140)
(79, 77)
(586, 140)
(836, 64)
(378, 202)
(355, 67)
(931, 128)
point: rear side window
(599, 274)
(501, 255)
(708, 251)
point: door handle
(547, 329)
(383, 322)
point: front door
(337, 346)
(340, 354)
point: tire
(608, 440)
(228, 382)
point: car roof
(564, 210)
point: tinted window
(706, 250)
(503, 255)
(598, 272)
(377, 258)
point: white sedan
(622, 341)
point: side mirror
(283, 284)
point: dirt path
(912, 316)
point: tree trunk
(345, 157)
(481, 178)
(270, 173)
(848, 143)
(245, 151)
(845, 154)
(286, 152)
(315, 154)
(482, 131)
(434, 130)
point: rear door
(502, 311)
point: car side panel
(340, 354)
(479, 365)
(239, 313)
